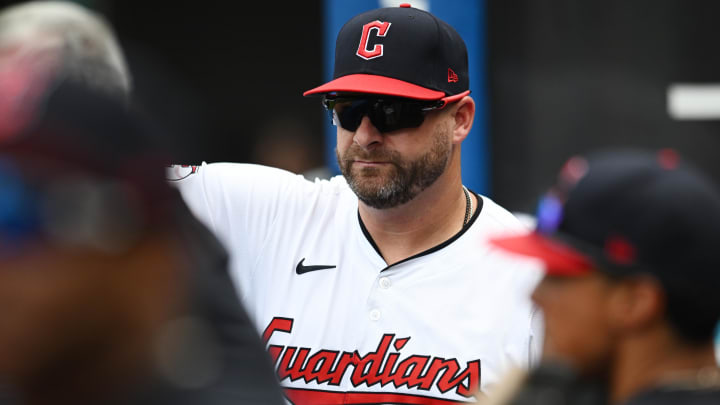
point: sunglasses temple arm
(451, 99)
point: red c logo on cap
(377, 51)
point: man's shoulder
(224, 174)
(496, 216)
(180, 172)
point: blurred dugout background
(563, 77)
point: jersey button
(385, 283)
(375, 314)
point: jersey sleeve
(240, 204)
(524, 342)
(524, 351)
(537, 335)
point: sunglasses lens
(350, 113)
(392, 115)
(387, 115)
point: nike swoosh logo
(301, 269)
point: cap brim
(372, 84)
(559, 258)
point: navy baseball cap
(629, 212)
(399, 51)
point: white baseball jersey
(340, 324)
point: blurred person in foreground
(379, 286)
(110, 290)
(114, 301)
(83, 42)
(630, 244)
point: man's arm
(241, 204)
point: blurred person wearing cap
(630, 241)
(380, 285)
(81, 39)
(110, 290)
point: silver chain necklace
(468, 205)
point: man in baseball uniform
(380, 285)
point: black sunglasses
(387, 114)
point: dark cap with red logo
(399, 51)
(629, 212)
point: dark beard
(403, 182)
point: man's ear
(464, 115)
(637, 303)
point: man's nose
(366, 135)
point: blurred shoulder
(496, 216)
